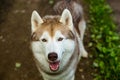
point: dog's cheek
(69, 45)
(36, 47)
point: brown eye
(44, 40)
(60, 39)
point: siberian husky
(57, 42)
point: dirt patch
(15, 43)
(4, 4)
(115, 5)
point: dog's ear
(66, 19)
(36, 20)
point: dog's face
(52, 40)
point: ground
(16, 59)
(115, 5)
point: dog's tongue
(54, 66)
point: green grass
(105, 41)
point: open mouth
(54, 66)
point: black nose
(52, 56)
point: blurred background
(16, 59)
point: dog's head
(52, 40)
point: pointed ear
(36, 20)
(66, 19)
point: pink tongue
(54, 66)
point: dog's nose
(52, 56)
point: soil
(16, 59)
(115, 5)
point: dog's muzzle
(52, 56)
(53, 63)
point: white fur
(35, 17)
(64, 49)
(82, 27)
(66, 15)
(52, 44)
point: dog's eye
(44, 40)
(60, 39)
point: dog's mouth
(54, 66)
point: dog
(57, 41)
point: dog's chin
(54, 66)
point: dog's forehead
(56, 35)
(54, 27)
(51, 25)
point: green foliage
(105, 42)
(51, 2)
